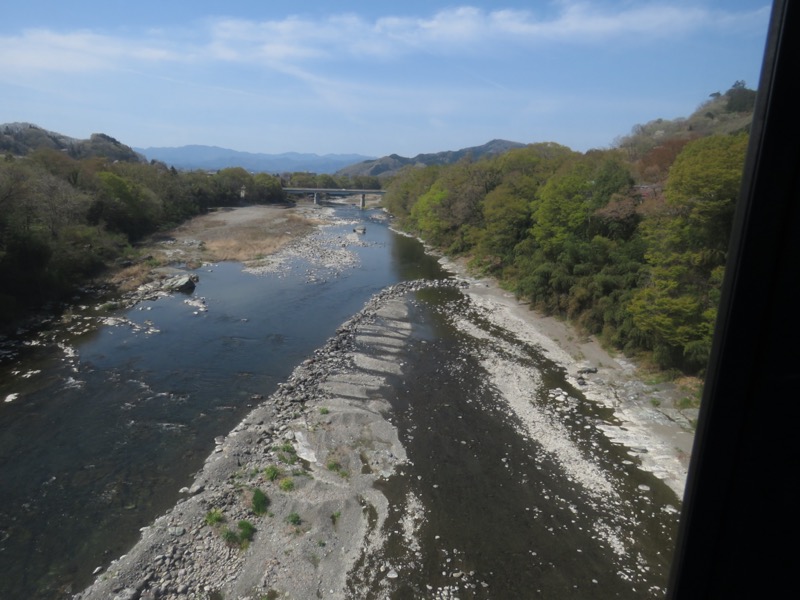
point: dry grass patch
(690, 392)
(252, 239)
(130, 278)
(247, 247)
(242, 235)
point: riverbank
(318, 447)
(241, 234)
(649, 412)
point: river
(108, 414)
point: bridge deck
(337, 191)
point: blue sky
(373, 77)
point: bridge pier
(363, 200)
(315, 197)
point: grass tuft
(214, 517)
(260, 502)
(273, 472)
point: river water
(517, 504)
(107, 415)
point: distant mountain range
(213, 158)
(20, 139)
(389, 165)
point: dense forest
(629, 243)
(67, 212)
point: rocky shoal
(314, 450)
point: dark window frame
(739, 519)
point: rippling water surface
(104, 423)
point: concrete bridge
(334, 192)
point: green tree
(124, 206)
(406, 188)
(507, 218)
(687, 250)
(425, 214)
(303, 180)
(365, 182)
(324, 180)
(232, 186)
(740, 98)
(566, 204)
(266, 189)
(507, 207)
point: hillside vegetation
(20, 139)
(630, 243)
(388, 166)
(63, 220)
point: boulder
(180, 283)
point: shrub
(260, 502)
(231, 537)
(242, 537)
(214, 517)
(287, 453)
(294, 519)
(246, 531)
(273, 472)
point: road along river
(435, 444)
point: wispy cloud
(77, 51)
(293, 40)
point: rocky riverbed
(315, 449)
(293, 502)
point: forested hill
(727, 113)
(393, 164)
(629, 242)
(20, 139)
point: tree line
(335, 181)
(64, 220)
(630, 246)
